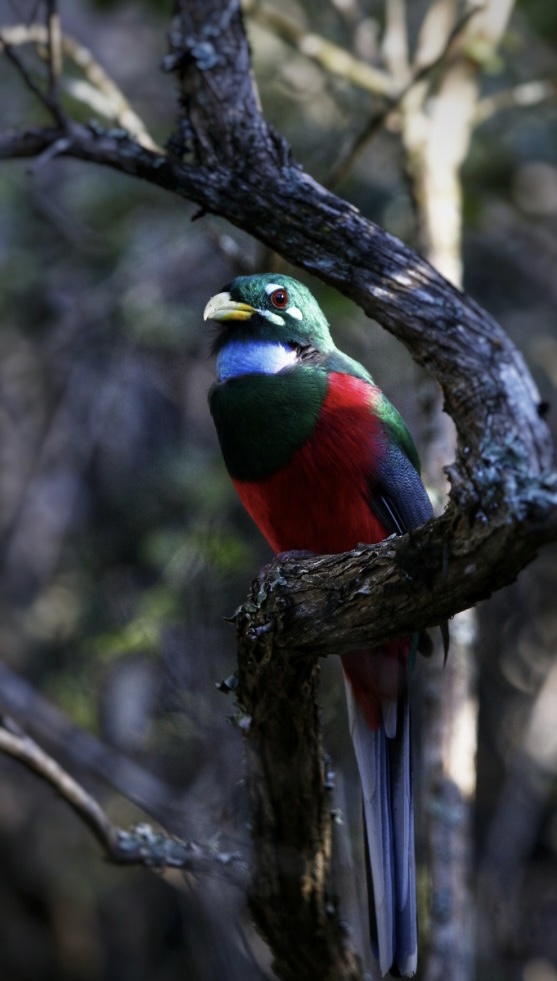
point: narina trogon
(322, 461)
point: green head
(269, 307)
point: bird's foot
(292, 555)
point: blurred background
(123, 547)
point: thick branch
(336, 602)
(292, 897)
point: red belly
(320, 501)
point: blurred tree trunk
(436, 131)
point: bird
(322, 461)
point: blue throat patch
(253, 357)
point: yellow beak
(222, 307)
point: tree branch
(46, 100)
(521, 96)
(140, 845)
(329, 56)
(411, 82)
(404, 584)
(54, 48)
(99, 90)
(84, 751)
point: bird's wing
(398, 496)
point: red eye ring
(279, 298)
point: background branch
(329, 56)
(54, 48)
(99, 91)
(436, 130)
(140, 845)
(50, 105)
(521, 96)
(84, 751)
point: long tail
(384, 763)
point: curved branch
(488, 389)
(403, 584)
(139, 845)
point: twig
(114, 104)
(54, 48)
(395, 42)
(378, 120)
(17, 62)
(81, 749)
(139, 845)
(56, 149)
(520, 97)
(16, 743)
(328, 55)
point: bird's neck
(253, 356)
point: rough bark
(291, 897)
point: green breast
(261, 420)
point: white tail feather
(383, 757)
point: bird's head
(268, 321)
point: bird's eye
(279, 298)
